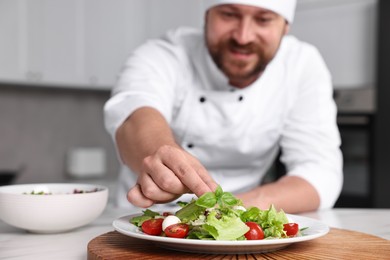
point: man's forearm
(290, 193)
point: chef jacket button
(202, 99)
(190, 145)
(240, 98)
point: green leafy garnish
(207, 200)
(189, 212)
(182, 203)
(147, 214)
(223, 199)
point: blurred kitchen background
(60, 58)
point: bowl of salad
(51, 207)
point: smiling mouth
(242, 54)
(241, 51)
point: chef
(199, 108)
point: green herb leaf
(252, 214)
(182, 203)
(228, 199)
(147, 214)
(139, 220)
(190, 212)
(218, 192)
(150, 213)
(207, 200)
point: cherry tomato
(291, 229)
(255, 231)
(179, 230)
(152, 226)
(165, 214)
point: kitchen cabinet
(39, 42)
(12, 37)
(81, 43)
(168, 14)
(114, 28)
(53, 42)
(344, 31)
(111, 30)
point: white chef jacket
(235, 133)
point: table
(19, 245)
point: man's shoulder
(181, 38)
(292, 47)
(184, 39)
(290, 43)
(297, 52)
(183, 35)
(175, 44)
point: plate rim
(169, 240)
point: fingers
(189, 177)
(167, 175)
(189, 171)
(206, 178)
(148, 192)
(153, 192)
(136, 197)
(163, 177)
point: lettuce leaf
(225, 227)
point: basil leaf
(218, 192)
(228, 199)
(207, 200)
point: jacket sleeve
(148, 79)
(310, 141)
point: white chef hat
(285, 8)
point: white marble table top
(18, 244)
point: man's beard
(239, 72)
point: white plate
(315, 229)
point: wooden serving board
(337, 244)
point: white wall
(345, 33)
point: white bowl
(59, 211)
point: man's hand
(168, 174)
(165, 171)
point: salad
(217, 216)
(75, 191)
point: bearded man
(197, 109)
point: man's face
(242, 40)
